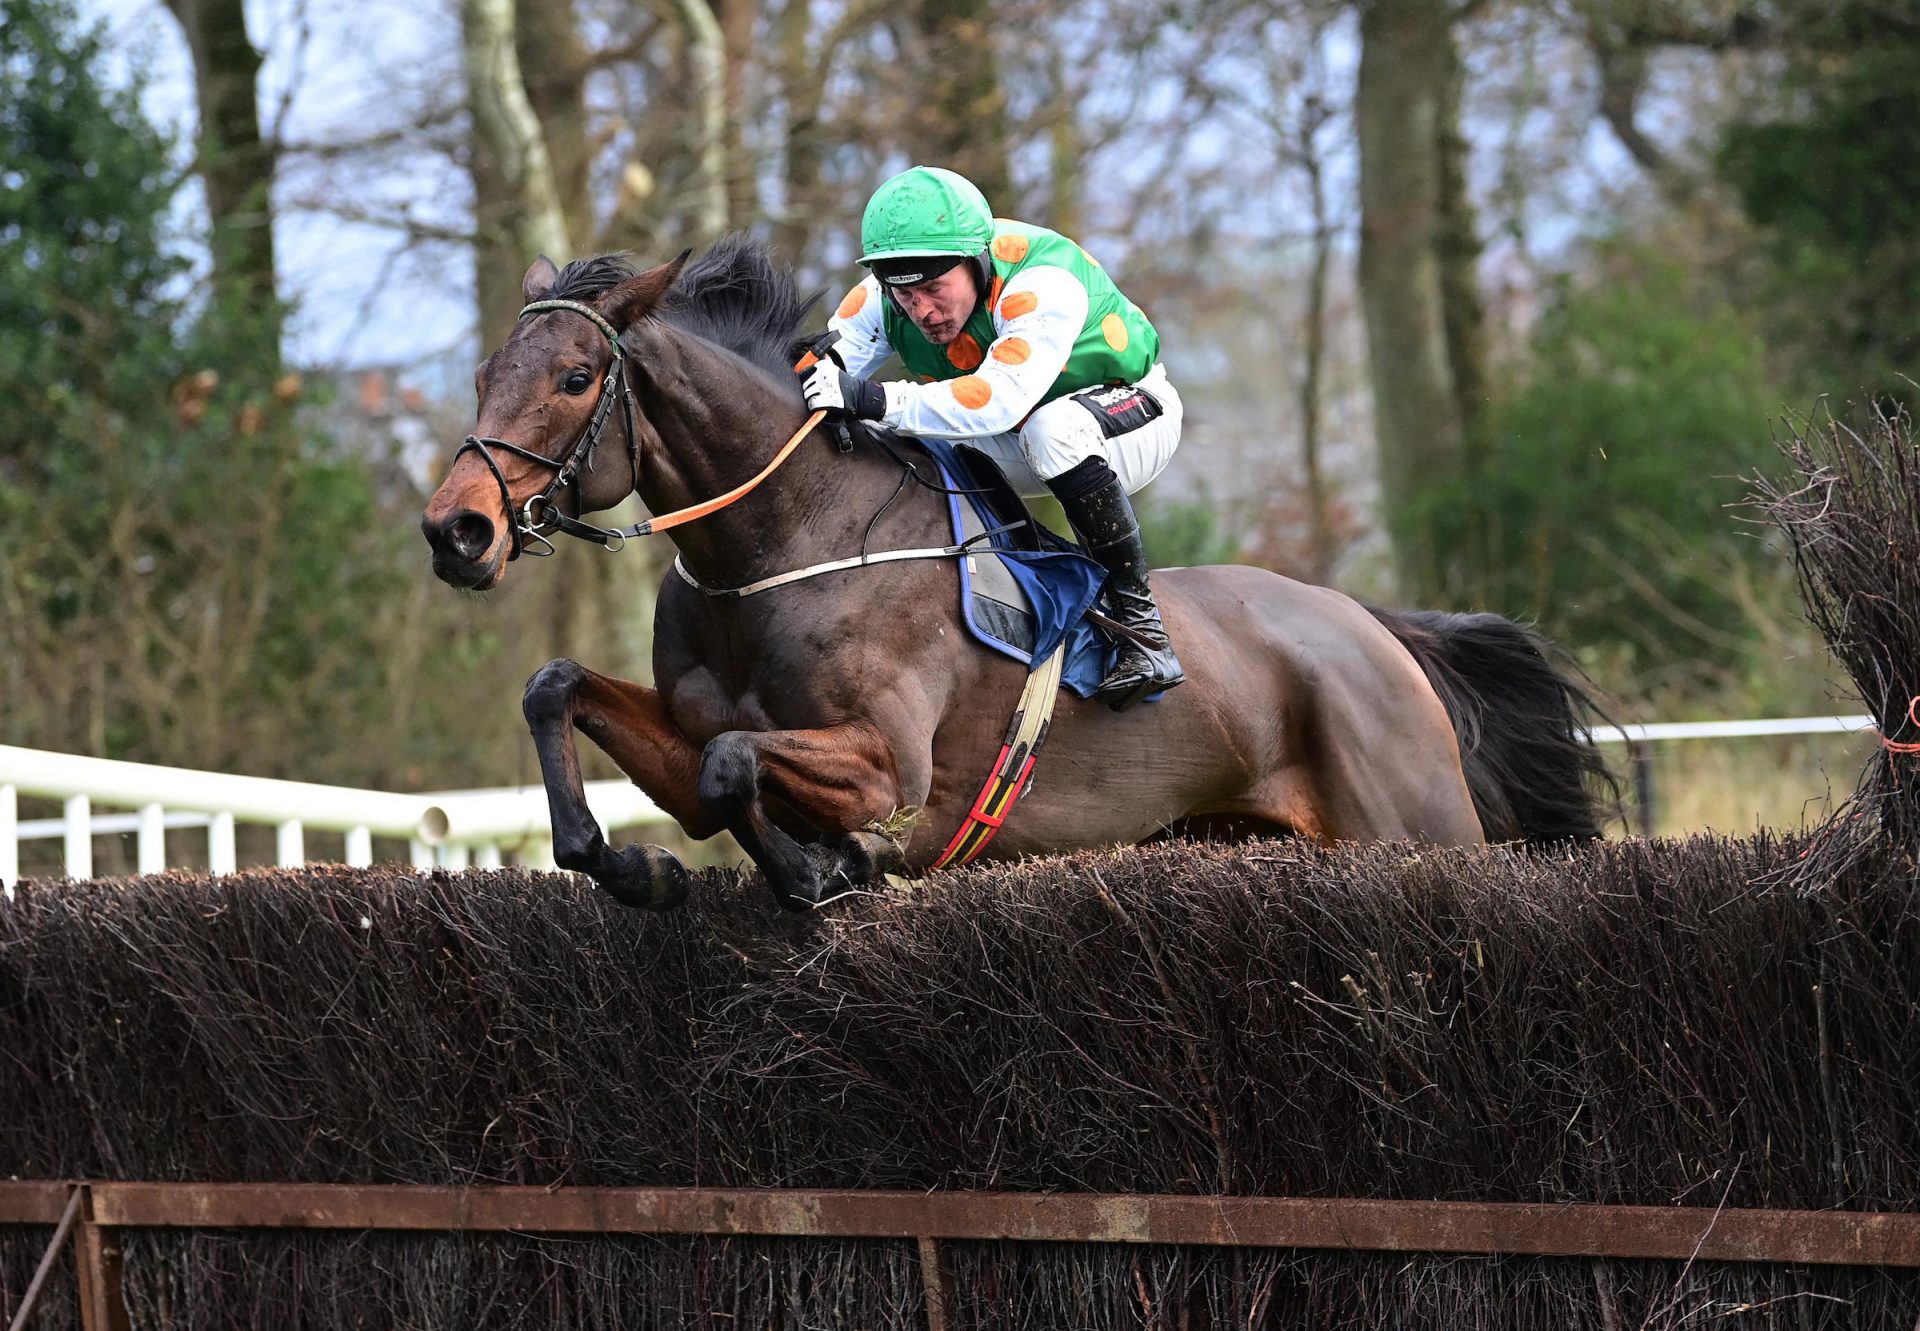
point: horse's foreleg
(841, 779)
(630, 724)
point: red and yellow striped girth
(1026, 732)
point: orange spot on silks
(1018, 303)
(964, 352)
(1010, 248)
(855, 299)
(924, 378)
(1012, 351)
(972, 392)
(1114, 329)
(993, 294)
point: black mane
(735, 296)
(586, 279)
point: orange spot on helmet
(1018, 303)
(972, 392)
(1012, 351)
(853, 302)
(1114, 329)
(1010, 248)
(964, 352)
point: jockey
(1023, 348)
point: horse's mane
(735, 296)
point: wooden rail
(1847, 1238)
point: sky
(361, 295)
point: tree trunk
(1319, 520)
(1067, 153)
(737, 18)
(1411, 262)
(553, 63)
(958, 110)
(707, 70)
(235, 163)
(1457, 244)
(517, 202)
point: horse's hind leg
(628, 721)
(840, 779)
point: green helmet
(924, 211)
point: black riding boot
(1101, 514)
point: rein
(527, 524)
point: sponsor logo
(1120, 408)
(1115, 400)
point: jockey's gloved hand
(821, 346)
(831, 389)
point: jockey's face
(940, 307)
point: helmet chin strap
(982, 278)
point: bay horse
(839, 727)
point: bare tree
(1416, 264)
(235, 162)
(706, 57)
(955, 111)
(518, 209)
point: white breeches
(1063, 433)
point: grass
(1738, 786)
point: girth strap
(834, 565)
(1008, 781)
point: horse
(839, 726)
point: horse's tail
(1522, 722)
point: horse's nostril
(470, 535)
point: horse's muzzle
(460, 546)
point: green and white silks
(1053, 324)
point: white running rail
(455, 829)
(1786, 725)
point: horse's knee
(729, 775)
(549, 694)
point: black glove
(831, 389)
(823, 345)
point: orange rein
(1898, 746)
(718, 502)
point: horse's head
(553, 428)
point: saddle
(1024, 589)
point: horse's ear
(635, 298)
(539, 279)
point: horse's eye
(578, 382)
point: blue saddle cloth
(1055, 579)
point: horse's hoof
(645, 878)
(800, 897)
(866, 858)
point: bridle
(526, 523)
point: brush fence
(1645, 1084)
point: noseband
(527, 524)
